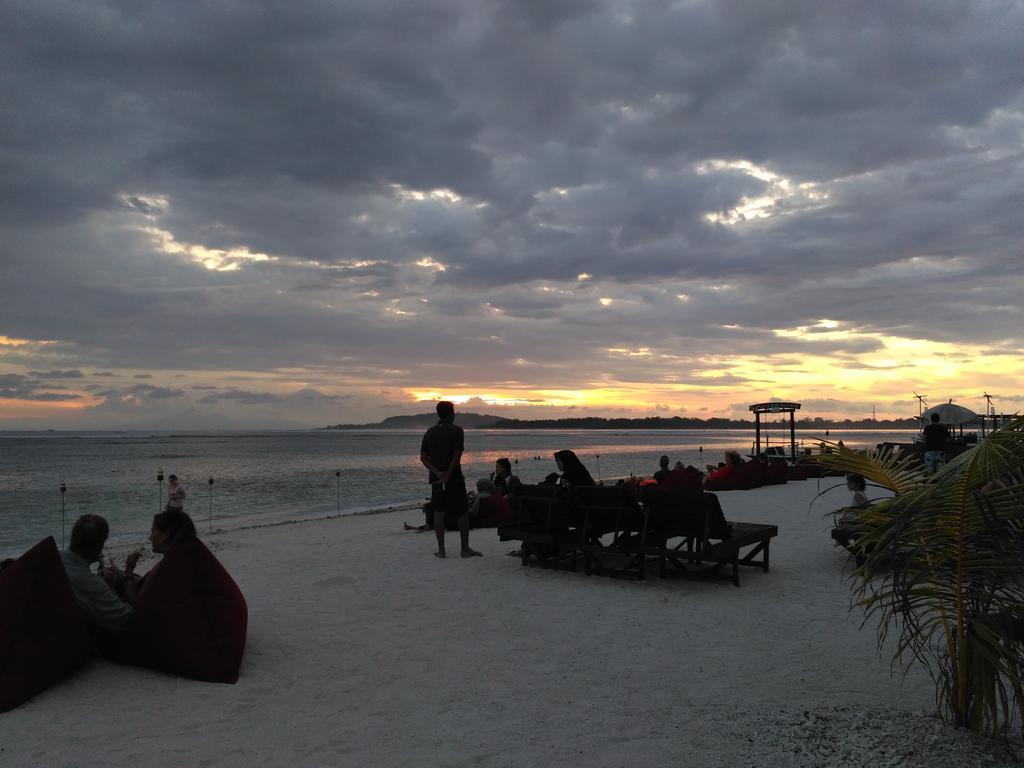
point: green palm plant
(941, 567)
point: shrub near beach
(942, 563)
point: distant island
(679, 422)
(424, 420)
(482, 421)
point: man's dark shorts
(451, 499)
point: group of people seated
(490, 503)
(185, 616)
(107, 596)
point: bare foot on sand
(471, 553)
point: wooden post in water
(63, 489)
(160, 490)
(211, 505)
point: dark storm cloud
(73, 374)
(380, 187)
(18, 387)
(142, 392)
(302, 398)
(242, 397)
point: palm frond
(942, 568)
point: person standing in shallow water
(441, 453)
(175, 495)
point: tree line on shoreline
(483, 421)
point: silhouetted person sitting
(572, 469)
(96, 592)
(857, 485)
(663, 469)
(503, 479)
(170, 527)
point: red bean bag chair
(494, 511)
(688, 479)
(190, 618)
(778, 472)
(812, 469)
(499, 509)
(797, 472)
(749, 475)
(723, 479)
(43, 634)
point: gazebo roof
(774, 407)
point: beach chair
(689, 532)
(543, 520)
(613, 512)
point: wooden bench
(544, 522)
(610, 511)
(705, 542)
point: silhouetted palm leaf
(943, 568)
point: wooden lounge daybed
(688, 532)
(684, 531)
(613, 512)
(543, 520)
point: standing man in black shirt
(441, 453)
(935, 437)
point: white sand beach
(364, 649)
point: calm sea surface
(276, 476)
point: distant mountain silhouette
(678, 422)
(424, 420)
(479, 421)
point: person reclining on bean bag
(105, 608)
(724, 478)
(190, 617)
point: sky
(286, 214)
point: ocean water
(263, 477)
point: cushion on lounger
(190, 617)
(43, 634)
